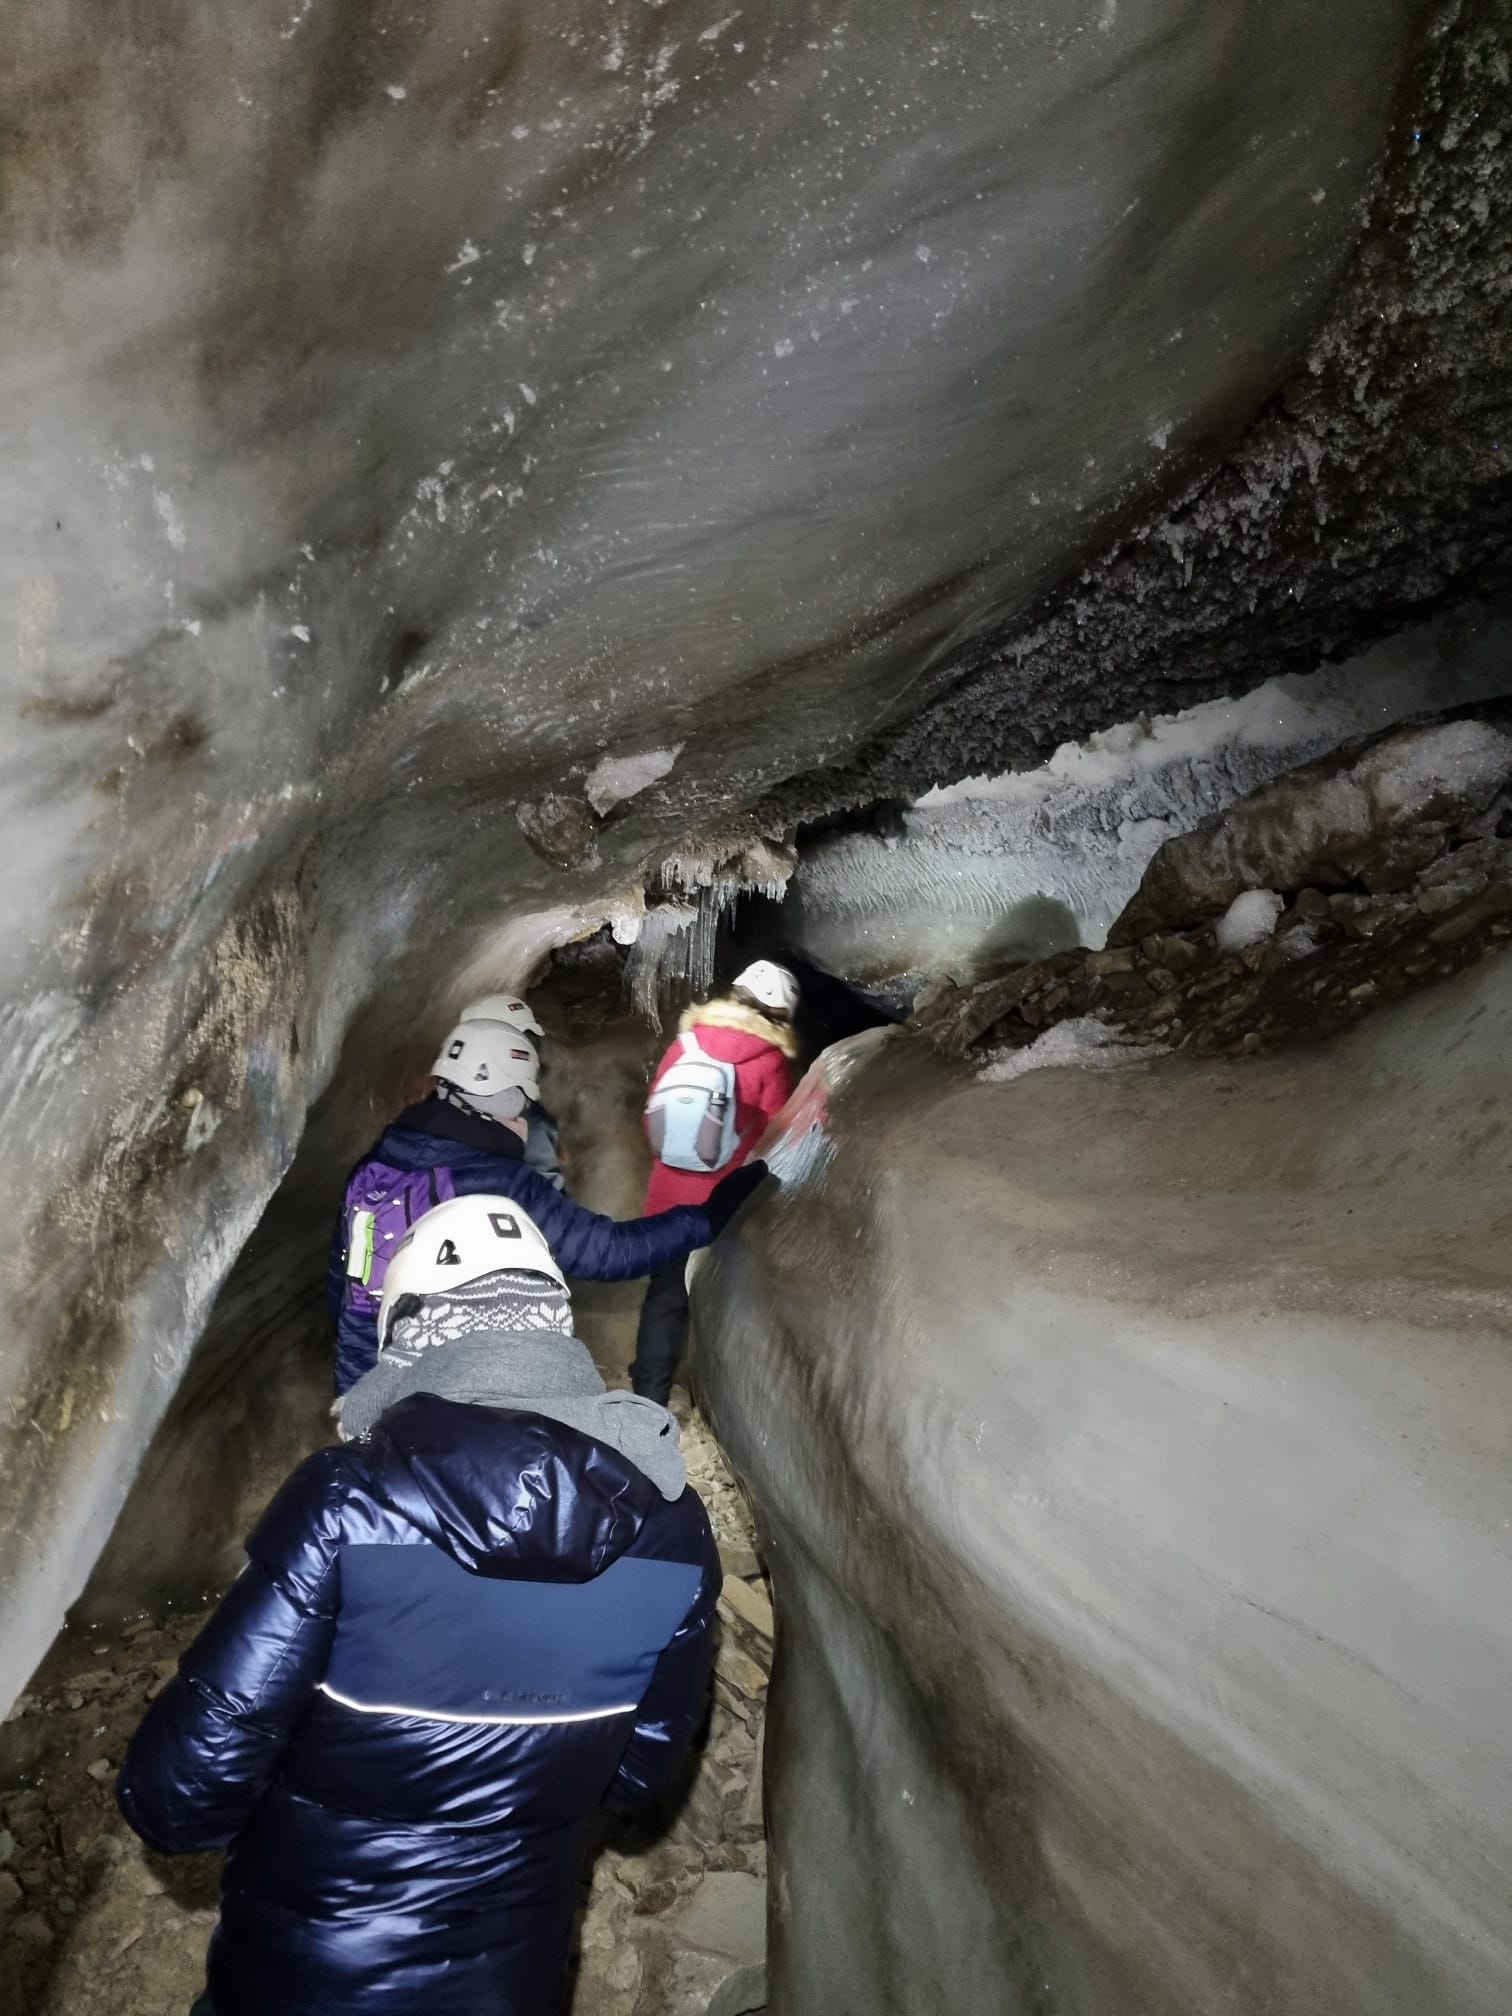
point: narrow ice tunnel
(1008, 516)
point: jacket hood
(509, 1494)
(744, 1021)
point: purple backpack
(380, 1206)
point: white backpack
(690, 1117)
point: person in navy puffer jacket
(456, 1638)
(466, 1138)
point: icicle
(660, 951)
(678, 940)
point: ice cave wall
(1129, 1449)
(415, 408)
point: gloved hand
(730, 1192)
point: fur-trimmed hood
(731, 1014)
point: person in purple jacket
(457, 1638)
(469, 1137)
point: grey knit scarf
(536, 1372)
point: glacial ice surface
(1129, 1452)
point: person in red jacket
(715, 1091)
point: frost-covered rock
(1249, 920)
(1267, 975)
(1082, 1043)
(1374, 813)
(992, 869)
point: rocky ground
(91, 1924)
(1302, 908)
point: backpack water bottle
(690, 1117)
(380, 1206)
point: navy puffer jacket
(451, 1645)
(486, 1159)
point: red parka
(761, 1051)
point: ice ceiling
(458, 452)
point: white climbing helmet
(460, 1241)
(483, 1059)
(506, 1008)
(773, 986)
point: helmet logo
(504, 1226)
(448, 1256)
(480, 1076)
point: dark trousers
(202, 2007)
(662, 1333)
